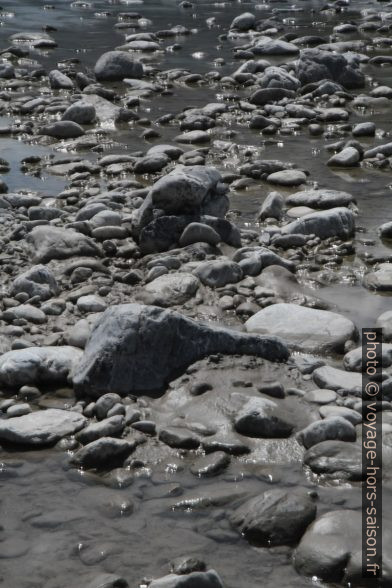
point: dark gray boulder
(110, 427)
(315, 65)
(80, 112)
(62, 129)
(114, 66)
(272, 207)
(162, 233)
(244, 22)
(59, 80)
(197, 233)
(135, 348)
(276, 517)
(218, 273)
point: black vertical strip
(372, 456)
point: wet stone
(44, 427)
(259, 417)
(320, 396)
(331, 428)
(179, 438)
(211, 464)
(276, 517)
(335, 458)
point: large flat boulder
(43, 427)
(302, 328)
(262, 418)
(187, 190)
(336, 222)
(33, 365)
(218, 273)
(328, 544)
(48, 242)
(322, 199)
(135, 348)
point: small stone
(103, 452)
(287, 177)
(260, 418)
(209, 579)
(64, 129)
(105, 403)
(197, 233)
(18, 410)
(91, 303)
(274, 389)
(320, 396)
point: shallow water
(82, 536)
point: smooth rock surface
(303, 329)
(44, 427)
(114, 66)
(336, 222)
(38, 364)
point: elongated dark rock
(135, 348)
